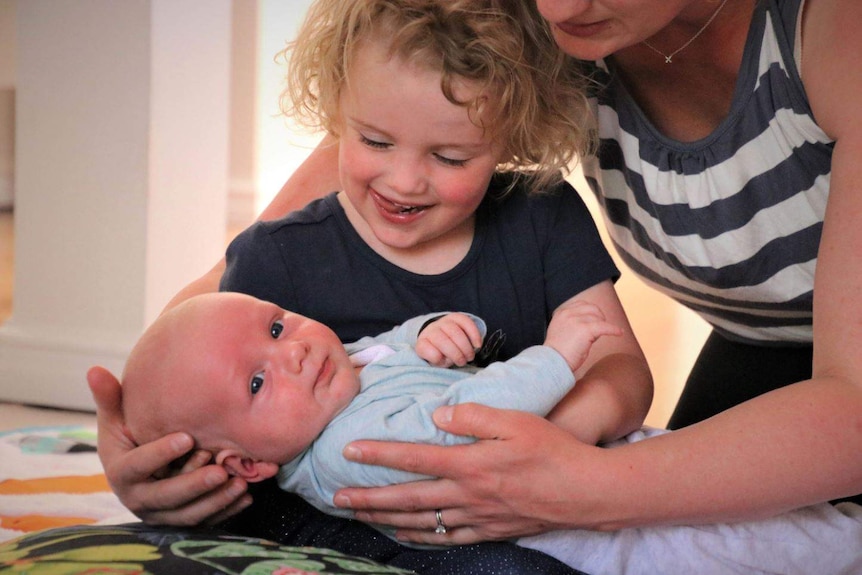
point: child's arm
(614, 383)
(449, 340)
(573, 329)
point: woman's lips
(582, 30)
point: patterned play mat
(52, 477)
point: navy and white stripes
(728, 225)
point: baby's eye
(256, 383)
(276, 329)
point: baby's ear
(245, 467)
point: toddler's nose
(408, 176)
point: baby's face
(270, 380)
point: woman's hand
(139, 475)
(511, 482)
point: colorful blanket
(135, 549)
(58, 515)
(52, 477)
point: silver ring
(441, 527)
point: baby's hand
(575, 326)
(450, 340)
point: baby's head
(528, 95)
(252, 383)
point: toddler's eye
(276, 329)
(373, 143)
(451, 162)
(256, 383)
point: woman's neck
(687, 98)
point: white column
(121, 179)
(7, 100)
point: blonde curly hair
(503, 46)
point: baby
(273, 392)
(265, 389)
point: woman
(715, 116)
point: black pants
(728, 373)
(286, 518)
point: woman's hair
(502, 46)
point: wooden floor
(669, 334)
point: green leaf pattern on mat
(140, 550)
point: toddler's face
(270, 380)
(413, 165)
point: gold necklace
(668, 57)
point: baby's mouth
(324, 373)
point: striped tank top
(729, 225)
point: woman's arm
(200, 492)
(788, 448)
(771, 454)
(314, 178)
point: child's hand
(450, 340)
(574, 328)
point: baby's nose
(295, 353)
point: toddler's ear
(245, 467)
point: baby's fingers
(602, 328)
(457, 337)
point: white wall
(8, 38)
(124, 165)
(121, 179)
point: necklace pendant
(668, 58)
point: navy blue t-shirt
(530, 253)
